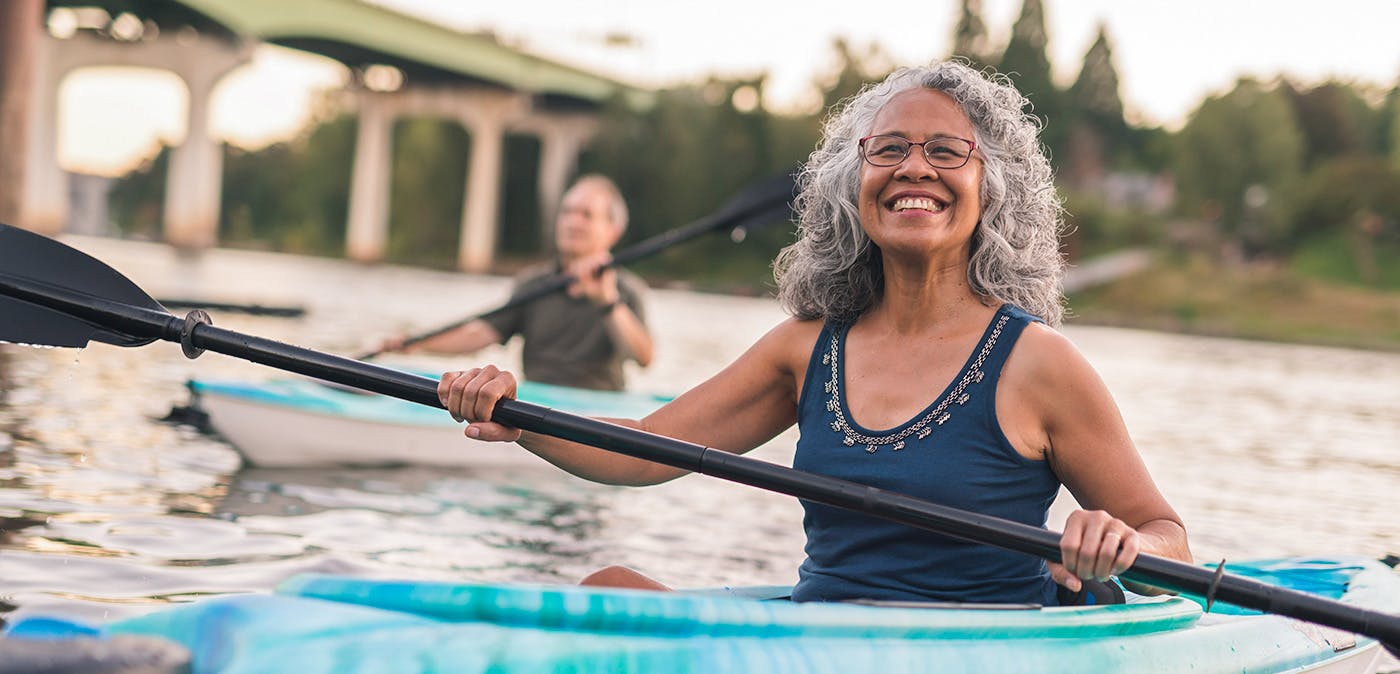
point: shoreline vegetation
(1259, 301)
(1180, 293)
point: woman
(919, 358)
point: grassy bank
(1274, 303)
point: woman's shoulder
(790, 342)
(793, 329)
(1044, 354)
(1047, 375)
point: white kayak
(302, 423)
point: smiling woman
(913, 273)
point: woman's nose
(916, 164)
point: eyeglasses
(944, 152)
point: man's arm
(603, 285)
(468, 338)
(628, 332)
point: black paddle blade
(778, 212)
(776, 190)
(30, 256)
(758, 201)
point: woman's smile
(913, 202)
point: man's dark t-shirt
(566, 338)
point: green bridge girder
(357, 34)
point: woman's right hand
(1095, 545)
(471, 396)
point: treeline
(1263, 171)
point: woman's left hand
(1094, 545)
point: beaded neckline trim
(920, 429)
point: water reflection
(7, 424)
(444, 520)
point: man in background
(580, 337)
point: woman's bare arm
(1077, 427)
(741, 407)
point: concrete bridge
(402, 67)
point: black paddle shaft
(127, 325)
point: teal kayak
(287, 423)
(314, 624)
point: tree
(429, 178)
(1353, 200)
(1341, 193)
(1390, 126)
(1336, 122)
(291, 196)
(1098, 133)
(970, 39)
(1027, 63)
(694, 149)
(853, 72)
(135, 202)
(701, 143)
(1095, 94)
(1241, 155)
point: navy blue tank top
(953, 452)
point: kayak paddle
(280, 311)
(754, 207)
(54, 295)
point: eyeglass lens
(947, 153)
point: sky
(1170, 55)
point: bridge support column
(476, 247)
(368, 233)
(21, 24)
(486, 119)
(44, 202)
(194, 184)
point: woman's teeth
(907, 203)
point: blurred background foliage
(1276, 174)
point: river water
(1264, 449)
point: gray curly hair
(833, 271)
